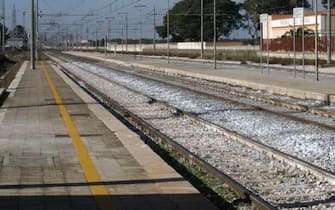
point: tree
(19, 32)
(298, 33)
(253, 8)
(324, 3)
(7, 36)
(185, 20)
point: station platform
(281, 82)
(60, 149)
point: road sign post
(316, 41)
(264, 18)
(299, 12)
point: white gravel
(253, 169)
(306, 142)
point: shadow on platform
(44, 105)
(82, 184)
(88, 202)
(119, 202)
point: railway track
(247, 164)
(309, 111)
(316, 107)
(295, 141)
(305, 114)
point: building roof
(16, 39)
(287, 16)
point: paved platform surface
(282, 82)
(59, 149)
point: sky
(114, 9)
(102, 8)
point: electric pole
(36, 30)
(98, 33)
(202, 29)
(87, 36)
(141, 28)
(126, 32)
(168, 32)
(14, 27)
(33, 31)
(3, 37)
(109, 28)
(329, 34)
(316, 40)
(140, 7)
(125, 23)
(96, 37)
(214, 31)
(24, 19)
(154, 40)
(24, 26)
(122, 35)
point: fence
(286, 44)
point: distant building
(17, 42)
(280, 24)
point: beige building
(280, 24)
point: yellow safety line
(99, 191)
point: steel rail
(291, 160)
(264, 99)
(272, 152)
(162, 139)
(278, 102)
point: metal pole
(81, 35)
(96, 37)
(87, 35)
(105, 45)
(154, 40)
(140, 7)
(107, 36)
(261, 46)
(168, 32)
(122, 35)
(126, 32)
(329, 34)
(202, 29)
(59, 37)
(124, 28)
(141, 31)
(303, 44)
(24, 20)
(25, 30)
(14, 27)
(3, 25)
(316, 40)
(37, 31)
(294, 50)
(214, 31)
(267, 44)
(32, 34)
(67, 37)
(110, 30)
